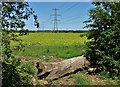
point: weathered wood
(59, 69)
(54, 70)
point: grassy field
(63, 45)
(55, 47)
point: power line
(72, 18)
(55, 20)
(69, 17)
(70, 8)
(63, 5)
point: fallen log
(59, 69)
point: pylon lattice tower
(55, 20)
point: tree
(104, 45)
(13, 16)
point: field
(55, 47)
(62, 45)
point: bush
(104, 48)
(14, 15)
(27, 71)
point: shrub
(104, 47)
(14, 14)
(27, 71)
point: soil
(71, 81)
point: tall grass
(63, 45)
(80, 80)
(56, 51)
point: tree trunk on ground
(55, 70)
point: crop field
(63, 45)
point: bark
(55, 70)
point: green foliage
(108, 80)
(23, 32)
(13, 16)
(10, 74)
(27, 71)
(104, 47)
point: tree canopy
(104, 45)
(13, 17)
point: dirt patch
(70, 80)
(95, 80)
(64, 81)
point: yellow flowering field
(63, 45)
(65, 39)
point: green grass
(109, 81)
(55, 51)
(63, 45)
(80, 80)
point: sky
(72, 15)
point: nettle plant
(104, 45)
(13, 18)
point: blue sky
(72, 15)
